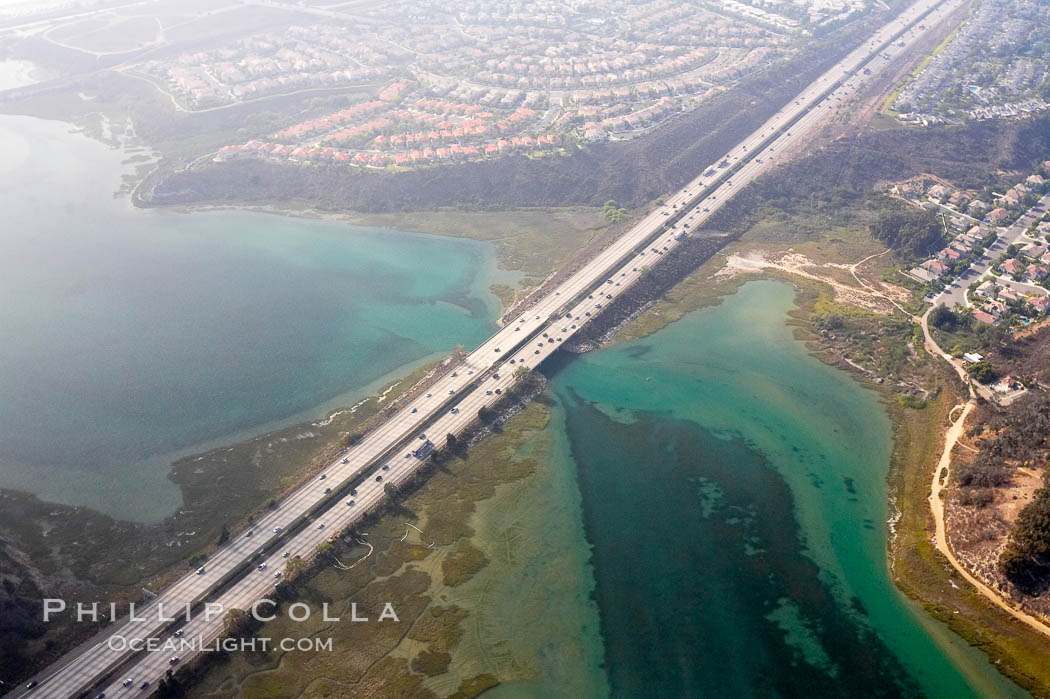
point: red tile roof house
(1040, 303)
(997, 214)
(983, 317)
(1036, 274)
(1011, 266)
(1011, 383)
(949, 254)
(936, 266)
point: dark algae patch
(702, 581)
(734, 494)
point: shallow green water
(734, 493)
(128, 337)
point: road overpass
(231, 577)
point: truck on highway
(424, 451)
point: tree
(982, 372)
(913, 232)
(293, 568)
(450, 442)
(943, 318)
(390, 490)
(224, 535)
(236, 622)
(1026, 558)
(168, 686)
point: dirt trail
(940, 480)
(867, 297)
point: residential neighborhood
(997, 266)
(990, 68)
(484, 79)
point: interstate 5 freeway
(241, 571)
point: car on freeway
(327, 490)
(320, 525)
(249, 534)
(262, 566)
(178, 634)
(386, 467)
(201, 571)
(286, 554)
(428, 395)
(455, 411)
(276, 530)
(277, 574)
(128, 682)
(378, 479)
(346, 460)
(173, 660)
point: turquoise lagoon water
(129, 337)
(733, 496)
